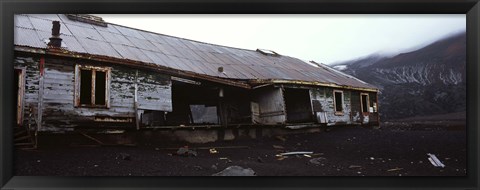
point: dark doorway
(193, 105)
(298, 106)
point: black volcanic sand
(342, 151)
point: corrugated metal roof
(127, 43)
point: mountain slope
(430, 80)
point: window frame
(335, 102)
(20, 102)
(94, 69)
(368, 103)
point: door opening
(298, 106)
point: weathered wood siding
(59, 89)
(154, 92)
(31, 83)
(322, 101)
(271, 105)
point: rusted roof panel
(176, 53)
(98, 47)
(68, 42)
(128, 31)
(142, 44)
(45, 16)
(46, 25)
(27, 37)
(22, 21)
(129, 52)
(115, 38)
(66, 20)
(83, 32)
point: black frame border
(10, 7)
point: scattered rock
(214, 167)
(198, 167)
(354, 166)
(184, 151)
(236, 171)
(281, 138)
(259, 160)
(394, 169)
(124, 156)
(317, 161)
(278, 147)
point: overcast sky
(322, 38)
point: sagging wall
(56, 93)
(268, 106)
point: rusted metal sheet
(27, 37)
(183, 54)
(96, 47)
(132, 53)
(46, 25)
(83, 32)
(22, 21)
(128, 31)
(142, 44)
(115, 38)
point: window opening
(100, 90)
(338, 96)
(364, 102)
(93, 89)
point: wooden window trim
(20, 103)
(368, 103)
(107, 71)
(335, 103)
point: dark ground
(342, 151)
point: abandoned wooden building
(78, 71)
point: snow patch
(340, 67)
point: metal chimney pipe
(55, 40)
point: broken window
(364, 99)
(203, 114)
(92, 86)
(338, 101)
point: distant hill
(428, 81)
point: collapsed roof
(93, 36)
